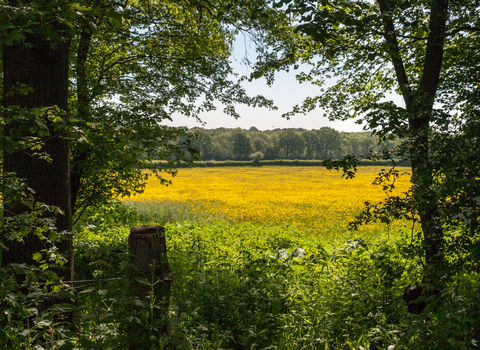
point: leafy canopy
(360, 53)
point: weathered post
(148, 251)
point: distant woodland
(326, 142)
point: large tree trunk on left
(42, 65)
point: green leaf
(37, 256)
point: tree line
(293, 143)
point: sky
(285, 92)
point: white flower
(298, 253)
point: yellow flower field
(312, 198)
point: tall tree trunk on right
(419, 105)
(419, 122)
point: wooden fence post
(148, 251)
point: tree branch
(395, 55)
(463, 29)
(434, 52)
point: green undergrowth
(248, 286)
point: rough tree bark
(42, 65)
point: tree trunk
(427, 206)
(42, 65)
(422, 172)
(148, 250)
(419, 104)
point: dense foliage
(361, 52)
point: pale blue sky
(285, 92)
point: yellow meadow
(312, 198)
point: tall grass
(163, 211)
